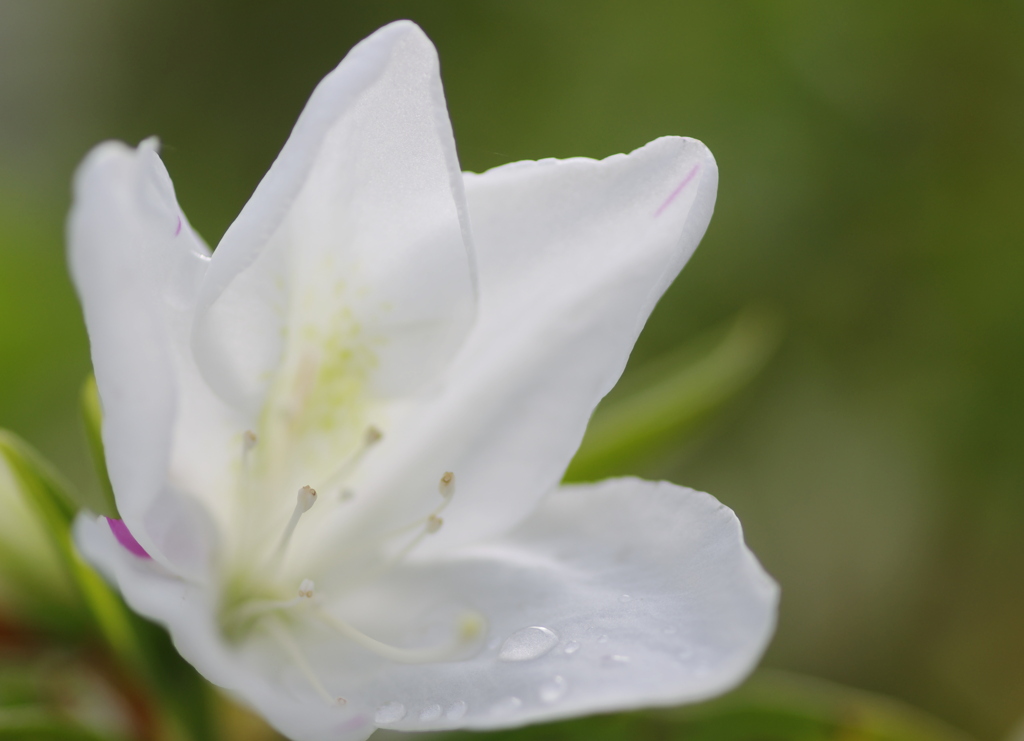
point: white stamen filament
(269, 613)
(305, 499)
(371, 437)
(249, 441)
(260, 607)
(470, 627)
(427, 525)
(281, 634)
(432, 522)
(244, 481)
(408, 547)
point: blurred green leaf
(673, 395)
(771, 706)
(32, 723)
(142, 648)
(92, 415)
(47, 491)
(789, 706)
(47, 689)
(37, 592)
(37, 562)
(55, 508)
(34, 586)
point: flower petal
(572, 257)
(137, 264)
(356, 236)
(613, 596)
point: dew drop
(603, 639)
(571, 647)
(506, 706)
(430, 712)
(390, 712)
(456, 710)
(614, 660)
(528, 643)
(625, 598)
(553, 689)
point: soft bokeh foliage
(871, 175)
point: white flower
(340, 439)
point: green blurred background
(871, 185)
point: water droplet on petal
(571, 647)
(603, 639)
(614, 660)
(553, 689)
(506, 706)
(390, 712)
(528, 643)
(625, 598)
(456, 710)
(430, 712)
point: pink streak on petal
(177, 231)
(677, 191)
(125, 538)
(352, 724)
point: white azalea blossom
(336, 443)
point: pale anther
(249, 440)
(306, 498)
(306, 588)
(447, 484)
(471, 626)
(434, 523)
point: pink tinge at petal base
(125, 538)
